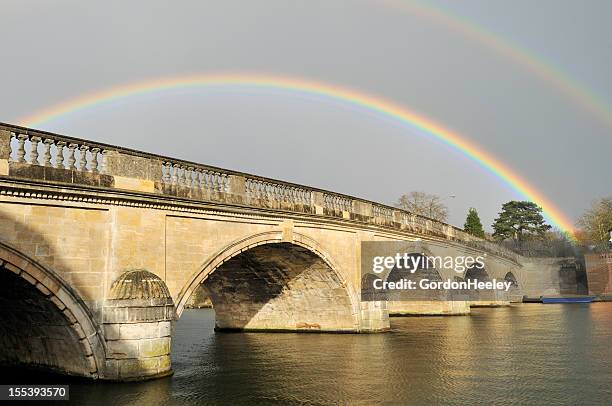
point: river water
(525, 354)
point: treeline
(521, 227)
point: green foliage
(473, 225)
(520, 221)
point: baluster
(34, 151)
(202, 179)
(175, 174)
(226, 183)
(197, 179)
(212, 180)
(257, 189)
(216, 181)
(59, 155)
(208, 180)
(264, 190)
(104, 168)
(250, 188)
(189, 180)
(20, 154)
(94, 159)
(71, 158)
(221, 182)
(195, 183)
(46, 158)
(165, 172)
(83, 157)
(183, 176)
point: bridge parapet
(45, 156)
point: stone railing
(55, 152)
(39, 155)
(258, 189)
(336, 202)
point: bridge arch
(269, 282)
(509, 277)
(477, 273)
(43, 321)
(426, 269)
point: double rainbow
(370, 103)
(582, 96)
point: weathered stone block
(121, 349)
(57, 174)
(154, 347)
(165, 328)
(138, 331)
(165, 363)
(138, 368)
(111, 331)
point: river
(525, 354)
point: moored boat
(567, 299)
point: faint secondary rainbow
(577, 92)
(384, 108)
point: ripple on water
(531, 353)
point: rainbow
(581, 95)
(370, 103)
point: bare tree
(596, 222)
(423, 204)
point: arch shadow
(43, 321)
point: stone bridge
(102, 246)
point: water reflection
(525, 354)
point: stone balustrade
(41, 155)
(384, 213)
(195, 177)
(55, 152)
(337, 202)
(273, 191)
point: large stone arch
(267, 282)
(43, 321)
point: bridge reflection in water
(101, 248)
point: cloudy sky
(450, 61)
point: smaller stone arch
(487, 297)
(515, 293)
(139, 319)
(426, 270)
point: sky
(55, 51)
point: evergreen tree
(519, 220)
(473, 225)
